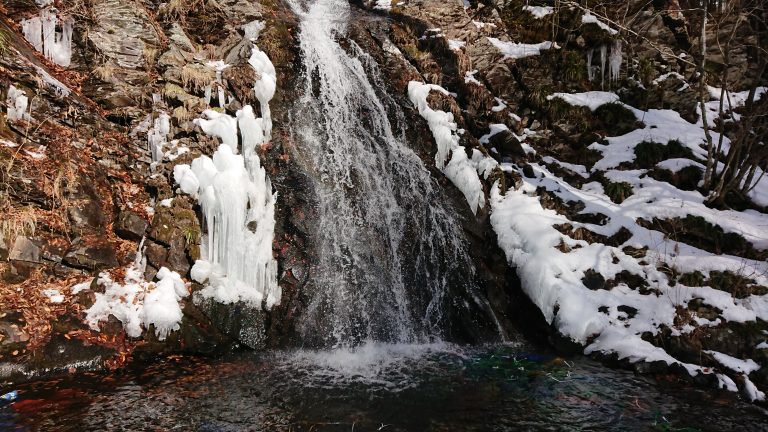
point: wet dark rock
(651, 368)
(528, 171)
(156, 254)
(242, 322)
(593, 280)
(87, 214)
(130, 226)
(92, 254)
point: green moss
(616, 119)
(694, 279)
(573, 67)
(618, 192)
(649, 153)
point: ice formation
(460, 169)
(239, 211)
(138, 303)
(16, 102)
(221, 94)
(603, 53)
(590, 71)
(41, 33)
(219, 125)
(614, 61)
(264, 87)
(157, 136)
(520, 50)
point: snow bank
(460, 169)
(552, 265)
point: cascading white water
(387, 250)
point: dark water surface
(377, 387)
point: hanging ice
(590, 71)
(460, 169)
(41, 33)
(157, 136)
(16, 102)
(239, 212)
(614, 61)
(221, 126)
(603, 52)
(264, 87)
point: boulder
(130, 226)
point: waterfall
(389, 254)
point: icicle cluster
(41, 32)
(614, 60)
(237, 200)
(17, 102)
(460, 169)
(239, 210)
(219, 67)
(157, 136)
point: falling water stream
(390, 254)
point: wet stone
(130, 226)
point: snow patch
(520, 50)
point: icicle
(590, 72)
(32, 29)
(614, 61)
(17, 102)
(265, 86)
(603, 52)
(157, 137)
(208, 91)
(41, 33)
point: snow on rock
(591, 99)
(539, 12)
(460, 169)
(520, 50)
(552, 265)
(737, 365)
(138, 303)
(383, 5)
(588, 18)
(677, 164)
(753, 394)
(469, 78)
(456, 45)
(54, 295)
